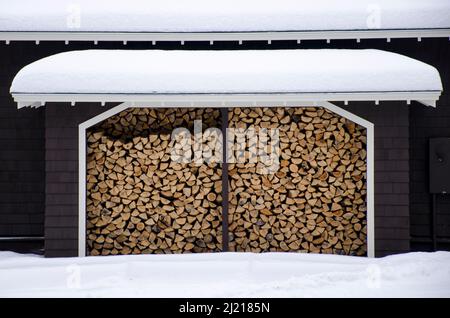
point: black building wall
(427, 123)
(61, 159)
(391, 174)
(21, 160)
(32, 160)
(22, 151)
(391, 127)
(22, 148)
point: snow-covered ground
(226, 275)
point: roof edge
(428, 98)
(328, 35)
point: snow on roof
(221, 16)
(219, 72)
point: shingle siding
(21, 160)
(391, 167)
(22, 144)
(424, 123)
(427, 123)
(61, 156)
(39, 157)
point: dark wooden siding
(61, 171)
(21, 159)
(391, 175)
(22, 150)
(427, 123)
(22, 139)
(22, 147)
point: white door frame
(162, 104)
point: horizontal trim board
(429, 240)
(21, 238)
(428, 98)
(9, 36)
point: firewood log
(316, 202)
(138, 200)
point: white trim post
(370, 180)
(82, 171)
(81, 191)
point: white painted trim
(370, 180)
(81, 190)
(182, 37)
(428, 98)
(82, 171)
(335, 109)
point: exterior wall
(61, 175)
(21, 160)
(23, 138)
(22, 144)
(391, 175)
(391, 129)
(427, 123)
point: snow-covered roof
(195, 20)
(126, 75)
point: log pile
(139, 200)
(316, 201)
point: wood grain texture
(138, 199)
(316, 201)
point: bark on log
(316, 202)
(140, 201)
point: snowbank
(277, 71)
(226, 275)
(220, 16)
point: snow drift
(226, 275)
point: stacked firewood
(139, 200)
(316, 201)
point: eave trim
(9, 36)
(427, 98)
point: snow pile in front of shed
(199, 72)
(221, 16)
(226, 275)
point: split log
(316, 201)
(139, 201)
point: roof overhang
(211, 37)
(225, 100)
(228, 78)
(221, 20)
